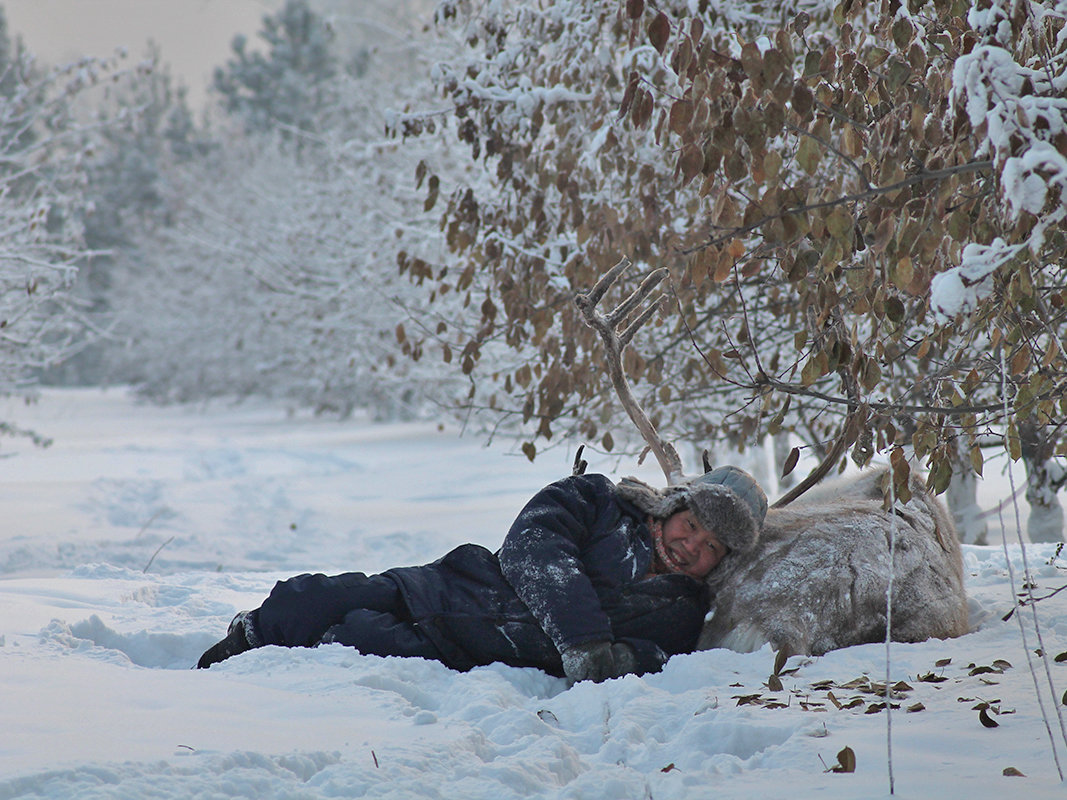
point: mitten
(240, 637)
(625, 659)
(597, 661)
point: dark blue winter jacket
(574, 568)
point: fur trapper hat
(726, 500)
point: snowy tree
(154, 125)
(265, 283)
(289, 85)
(142, 124)
(1011, 88)
(275, 271)
(44, 146)
(861, 209)
(1045, 477)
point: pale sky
(194, 35)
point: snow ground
(129, 544)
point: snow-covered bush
(806, 174)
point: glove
(597, 661)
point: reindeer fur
(818, 576)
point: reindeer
(820, 574)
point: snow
(962, 289)
(1022, 112)
(129, 544)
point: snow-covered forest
(390, 207)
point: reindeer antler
(615, 342)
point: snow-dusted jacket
(574, 568)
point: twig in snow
(1029, 589)
(153, 558)
(151, 519)
(1024, 602)
(888, 644)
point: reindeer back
(818, 576)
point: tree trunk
(1044, 478)
(1045, 523)
(962, 500)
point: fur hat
(726, 500)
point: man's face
(684, 545)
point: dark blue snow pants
(361, 611)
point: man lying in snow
(594, 580)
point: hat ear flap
(657, 503)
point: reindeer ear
(706, 458)
(579, 463)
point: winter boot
(239, 638)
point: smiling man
(684, 545)
(594, 580)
